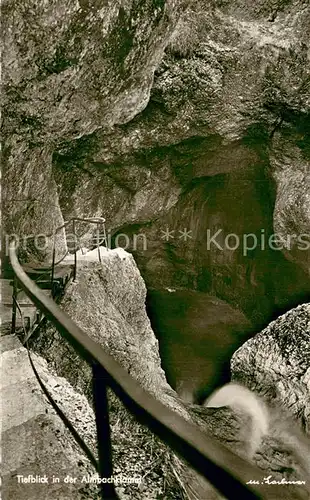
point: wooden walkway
(62, 276)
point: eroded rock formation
(276, 363)
(70, 69)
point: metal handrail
(80, 219)
(228, 472)
(51, 268)
(90, 220)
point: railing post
(98, 241)
(105, 235)
(103, 431)
(75, 250)
(14, 306)
(53, 263)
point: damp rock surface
(276, 363)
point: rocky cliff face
(114, 315)
(219, 138)
(69, 70)
(112, 296)
(34, 440)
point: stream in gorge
(205, 299)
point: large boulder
(276, 363)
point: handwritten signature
(270, 480)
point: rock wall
(113, 295)
(152, 115)
(34, 440)
(161, 114)
(108, 302)
(69, 69)
(222, 143)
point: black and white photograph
(155, 250)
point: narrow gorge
(186, 125)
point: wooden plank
(7, 291)
(6, 317)
(62, 273)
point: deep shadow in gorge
(197, 334)
(218, 296)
